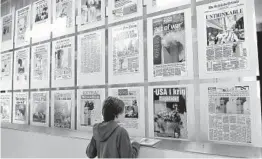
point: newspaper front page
(41, 11)
(64, 53)
(23, 26)
(21, 66)
(131, 98)
(225, 49)
(40, 108)
(40, 63)
(170, 112)
(90, 107)
(62, 109)
(125, 41)
(229, 114)
(91, 11)
(7, 32)
(91, 53)
(6, 104)
(6, 70)
(20, 111)
(124, 8)
(169, 55)
(64, 10)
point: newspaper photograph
(91, 11)
(90, 108)
(20, 107)
(170, 112)
(63, 59)
(123, 8)
(226, 47)
(40, 104)
(5, 103)
(23, 25)
(6, 66)
(40, 62)
(64, 9)
(41, 11)
(229, 114)
(22, 66)
(125, 41)
(7, 32)
(131, 98)
(62, 109)
(169, 42)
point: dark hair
(112, 107)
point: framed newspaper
(134, 118)
(63, 109)
(229, 47)
(39, 108)
(21, 68)
(119, 10)
(7, 33)
(89, 108)
(231, 113)
(6, 107)
(6, 73)
(40, 66)
(41, 22)
(91, 58)
(63, 17)
(23, 26)
(20, 109)
(63, 62)
(91, 14)
(171, 112)
(126, 53)
(169, 43)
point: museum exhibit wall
(187, 71)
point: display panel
(89, 108)
(63, 109)
(169, 43)
(21, 69)
(134, 119)
(20, 110)
(63, 62)
(7, 33)
(91, 13)
(39, 115)
(6, 104)
(23, 28)
(63, 17)
(91, 58)
(171, 112)
(6, 71)
(229, 113)
(228, 47)
(41, 20)
(126, 56)
(40, 66)
(119, 10)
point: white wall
(20, 144)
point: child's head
(113, 108)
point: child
(109, 139)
